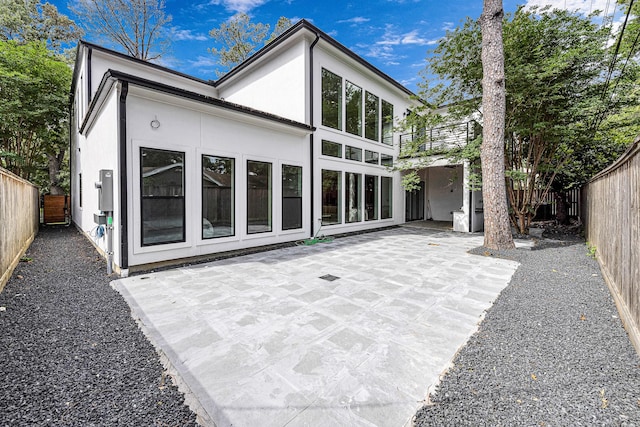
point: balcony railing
(450, 136)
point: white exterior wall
(96, 149)
(101, 62)
(445, 190)
(338, 63)
(197, 130)
(277, 85)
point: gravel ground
(70, 353)
(551, 351)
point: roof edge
(126, 57)
(194, 96)
(303, 24)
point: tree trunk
(497, 232)
(562, 213)
(54, 171)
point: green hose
(315, 239)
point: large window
(331, 197)
(291, 197)
(353, 101)
(218, 188)
(370, 197)
(353, 197)
(372, 117)
(162, 201)
(332, 149)
(386, 199)
(258, 197)
(387, 123)
(331, 100)
(386, 159)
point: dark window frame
(143, 198)
(270, 199)
(337, 194)
(371, 114)
(328, 143)
(353, 153)
(369, 160)
(328, 78)
(233, 198)
(298, 198)
(353, 99)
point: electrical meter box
(105, 190)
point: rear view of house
(299, 137)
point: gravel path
(551, 351)
(70, 353)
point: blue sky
(393, 35)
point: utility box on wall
(105, 190)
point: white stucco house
(300, 136)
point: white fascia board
(97, 103)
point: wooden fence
(612, 226)
(548, 208)
(19, 221)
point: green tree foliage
(34, 93)
(136, 26)
(240, 38)
(32, 20)
(554, 66)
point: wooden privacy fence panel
(55, 209)
(612, 225)
(19, 221)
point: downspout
(122, 173)
(89, 76)
(471, 211)
(70, 207)
(311, 112)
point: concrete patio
(351, 332)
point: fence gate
(55, 209)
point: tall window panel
(372, 117)
(259, 193)
(387, 123)
(331, 197)
(162, 201)
(386, 197)
(353, 101)
(331, 100)
(353, 197)
(291, 197)
(218, 204)
(370, 197)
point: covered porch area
(444, 199)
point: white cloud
(178, 34)
(206, 62)
(392, 38)
(448, 26)
(413, 38)
(355, 20)
(238, 6)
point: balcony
(438, 139)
